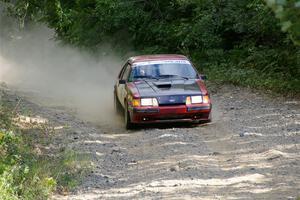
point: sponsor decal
(172, 99)
(162, 62)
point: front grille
(172, 100)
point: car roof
(156, 57)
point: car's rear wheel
(127, 119)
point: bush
(21, 176)
(24, 174)
(242, 35)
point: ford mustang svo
(161, 88)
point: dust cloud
(64, 76)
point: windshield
(163, 70)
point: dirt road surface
(249, 151)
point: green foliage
(24, 174)
(20, 176)
(288, 11)
(233, 34)
(70, 170)
(5, 118)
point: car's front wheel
(209, 120)
(127, 119)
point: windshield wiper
(172, 75)
(146, 77)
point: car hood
(149, 88)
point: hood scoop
(163, 85)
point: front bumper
(178, 113)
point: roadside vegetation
(250, 43)
(28, 169)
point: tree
(288, 11)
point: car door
(121, 88)
(117, 84)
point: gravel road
(249, 151)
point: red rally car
(161, 88)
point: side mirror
(122, 82)
(203, 77)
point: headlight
(194, 100)
(149, 102)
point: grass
(271, 83)
(27, 169)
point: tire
(205, 121)
(209, 120)
(127, 120)
(117, 105)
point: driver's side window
(126, 72)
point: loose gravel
(249, 151)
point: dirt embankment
(250, 151)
